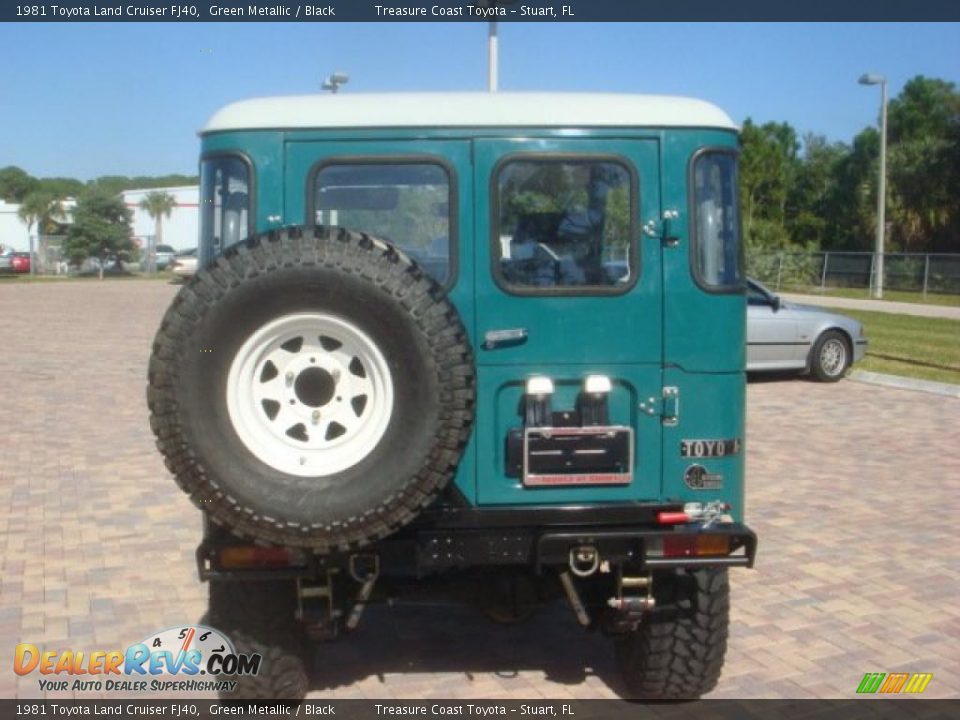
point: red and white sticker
(580, 479)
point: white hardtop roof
(465, 109)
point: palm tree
(38, 209)
(158, 205)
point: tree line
(813, 194)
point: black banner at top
(480, 10)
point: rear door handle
(493, 339)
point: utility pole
(492, 58)
(874, 79)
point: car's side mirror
(775, 302)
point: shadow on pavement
(459, 640)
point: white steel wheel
(309, 394)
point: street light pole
(492, 59)
(874, 79)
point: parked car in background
(184, 265)
(21, 262)
(112, 265)
(6, 262)
(165, 255)
(788, 336)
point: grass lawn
(864, 294)
(919, 347)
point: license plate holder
(565, 456)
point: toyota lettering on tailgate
(710, 448)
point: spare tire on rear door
(312, 387)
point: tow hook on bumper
(584, 560)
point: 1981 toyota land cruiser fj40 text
(496, 339)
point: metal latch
(671, 406)
(664, 229)
(670, 237)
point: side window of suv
(564, 225)
(717, 262)
(408, 204)
(225, 216)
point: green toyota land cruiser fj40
(495, 339)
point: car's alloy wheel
(831, 357)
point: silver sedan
(786, 336)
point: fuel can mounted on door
(483, 346)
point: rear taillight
(247, 556)
(688, 545)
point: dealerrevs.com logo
(169, 661)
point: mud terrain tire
(312, 387)
(680, 656)
(258, 617)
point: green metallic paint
(711, 407)
(706, 332)
(665, 331)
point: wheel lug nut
(289, 378)
(316, 416)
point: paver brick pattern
(853, 489)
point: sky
(82, 100)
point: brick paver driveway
(853, 489)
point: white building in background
(180, 230)
(13, 231)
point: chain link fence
(49, 258)
(924, 273)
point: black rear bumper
(537, 537)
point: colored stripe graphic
(894, 683)
(870, 682)
(918, 683)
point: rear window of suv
(564, 225)
(407, 203)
